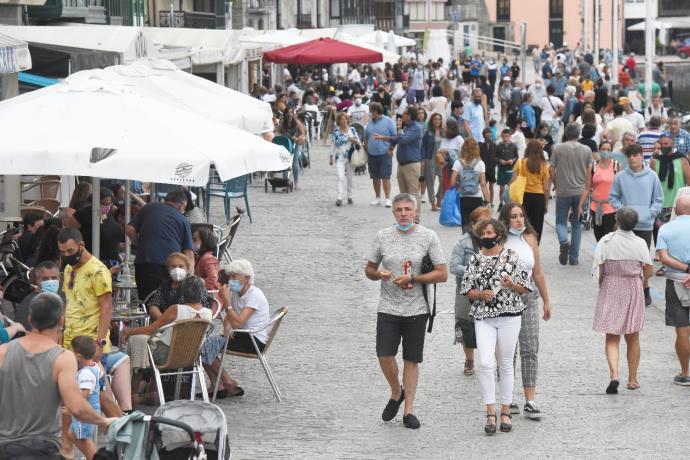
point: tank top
(679, 181)
(602, 180)
(185, 312)
(28, 377)
(523, 250)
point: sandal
(633, 385)
(506, 427)
(490, 428)
(661, 271)
(469, 367)
(612, 389)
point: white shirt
(518, 138)
(636, 120)
(417, 81)
(547, 111)
(354, 76)
(617, 128)
(359, 115)
(256, 300)
(661, 112)
(452, 146)
(400, 100)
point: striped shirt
(648, 139)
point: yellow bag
(518, 186)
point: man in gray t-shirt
(569, 162)
(396, 261)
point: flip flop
(661, 271)
(633, 386)
(612, 389)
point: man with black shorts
(396, 261)
(487, 151)
(673, 250)
(380, 152)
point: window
(503, 10)
(334, 9)
(417, 11)
(556, 9)
(437, 12)
(674, 8)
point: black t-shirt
(112, 234)
(515, 70)
(27, 247)
(487, 150)
(385, 101)
(506, 152)
(601, 96)
(589, 143)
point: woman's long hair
(534, 155)
(470, 151)
(504, 216)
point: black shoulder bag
(428, 267)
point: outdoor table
(130, 318)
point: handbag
(358, 158)
(518, 186)
(427, 267)
(450, 209)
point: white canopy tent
(384, 37)
(163, 79)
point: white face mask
(178, 274)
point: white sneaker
(376, 202)
(423, 200)
(388, 203)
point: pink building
(550, 21)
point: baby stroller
(281, 179)
(179, 430)
(360, 133)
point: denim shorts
(111, 360)
(380, 166)
(82, 430)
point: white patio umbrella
(162, 78)
(399, 41)
(91, 124)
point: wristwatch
(101, 343)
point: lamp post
(615, 30)
(650, 45)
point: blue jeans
(563, 205)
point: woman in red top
(599, 180)
(207, 265)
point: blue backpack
(468, 179)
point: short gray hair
(192, 289)
(627, 218)
(407, 197)
(241, 267)
(572, 131)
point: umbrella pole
(96, 217)
(126, 274)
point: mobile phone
(223, 277)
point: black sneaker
(514, 408)
(647, 297)
(563, 255)
(531, 411)
(349, 201)
(338, 202)
(410, 421)
(391, 409)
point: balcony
(86, 11)
(191, 20)
(118, 12)
(303, 21)
(260, 7)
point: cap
(506, 78)
(623, 100)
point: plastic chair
(234, 188)
(275, 321)
(185, 348)
(284, 141)
(223, 254)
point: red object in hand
(407, 266)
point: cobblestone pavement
(310, 255)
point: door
(500, 34)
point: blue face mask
(605, 154)
(516, 231)
(51, 286)
(404, 228)
(235, 285)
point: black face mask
(488, 243)
(477, 101)
(71, 260)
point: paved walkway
(310, 255)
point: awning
(323, 51)
(128, 42)
(664, 23)
(14, 55)
(36, 80)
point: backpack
(469, 179)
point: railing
(385, 23)
(118, 12)
(189, 19)
(81, 3)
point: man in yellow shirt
(88, 289)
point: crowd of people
(178, 277)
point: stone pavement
(310, 255)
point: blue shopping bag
(450, 209)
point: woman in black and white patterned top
(494, 281)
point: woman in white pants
(494, 281)
(344, 137)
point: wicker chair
(45, 214)
(51, 204)
(275, 321)
(185, 346)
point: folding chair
(185, 347)
(224, 245)
(274, 321)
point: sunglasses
(72, 276)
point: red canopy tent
(323, 51)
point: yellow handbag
(518, 186)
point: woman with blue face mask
(522, 238)
(598, 182)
